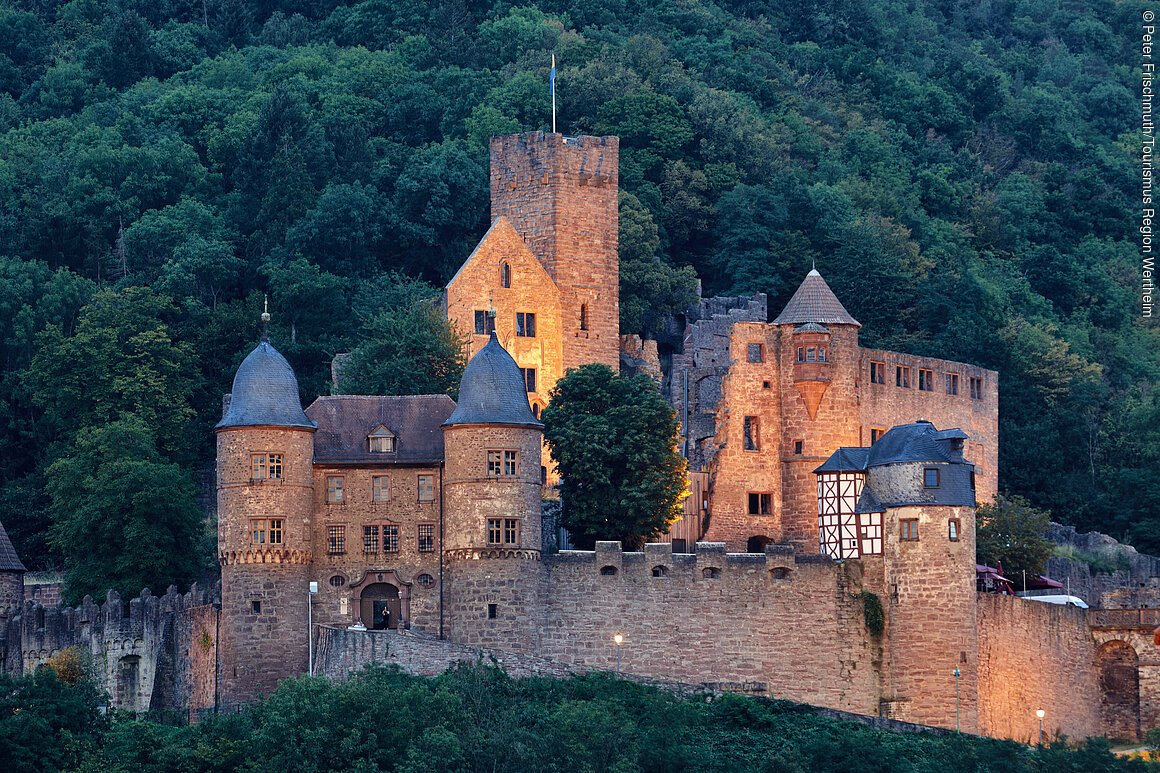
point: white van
(1069, 601)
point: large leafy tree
(1010, 532)
(123, 517)
(614, 439)
(408, 346)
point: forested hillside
(963, 174)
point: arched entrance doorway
(1119, 672)
(380, 606)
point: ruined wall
(886, 405)
(152, 653)
(1035, 656)
(790, 628)
(748, 391)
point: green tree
(46, 724)
(122, 360)
(1011, 531)
(650, 288)
(123, 517)
(408, 346)
(614, 441)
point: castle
(826, 555)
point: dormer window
(930, 477)
(381, 441)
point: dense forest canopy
(963, 174)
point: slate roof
(265, 392)
(9, 561)
(846, 460)
(345, 421)
(918, 442)
(811, 327)
(492, 390)
(815, 302)
(868, 503)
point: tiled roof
(345, 421)
(493, 391)
(815, 302)
(265, 392)
(9, 561)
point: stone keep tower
(560, 194)
(265, 449)
(817, 361)
(491, 489)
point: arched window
(780, 573)
(583, 316)
(505, 274)
(711, 573)
(660, 571)
(608, 571)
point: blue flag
(552, 76)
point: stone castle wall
(883, 406)
(153, 653)
(1035, 656)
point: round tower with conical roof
(492, 519)
(817, 379)
(265, 495)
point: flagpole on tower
(552, 81)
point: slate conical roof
(493, 391)
(9, 561)
(265, 392)
(815, 302)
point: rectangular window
(525, 324)
(875, 434)
(370, 540)
(275, 531)
(426, 488)
(493, 463)
(529, 378)
(275, 466)
(908, 529)
(502, 463)
(756, 353)
(494, 531)
(925, 380)
(811, 354)
(484, 323)
(821, 354)
(952, 383)
(335, 493)
(751, 428)
(390, 538)
(335, 540)
(953, 529)
(976, 388)
(878, 373)
(799, 447)
(930, 477)
(801, 354)
(380, 488)
(509, 462)
(760, 504)
(902, 376)
(426, 538)
(257, 466)
(511, 531)
(258, 531)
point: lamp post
(310, 626)
(618, 639)
(1040, 713)
(957, 674)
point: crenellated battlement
(709, 561)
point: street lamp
(957, 674)
(618, 639)
(1041, 714)
(310, 626)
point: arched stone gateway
(1119, 674)
(382, 600)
